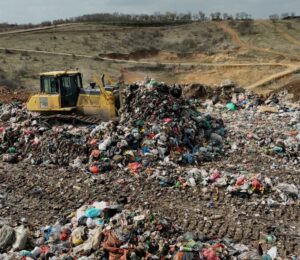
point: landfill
(203, 177)
(156, 124)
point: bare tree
(215, 16)
(274, 17)
(170, 16)
(202, 16)
(195, 17)
(283, 15)
(225, 16)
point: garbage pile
(271, 128)
(106, 230)
(165, 154)
(235, 183)
(236, 97)
(267, 125)
(241, 184)
(22, 137)
(157, 124)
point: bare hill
(248, 52)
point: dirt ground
(44, 194)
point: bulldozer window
(71, 81)
(49, 85)
(78, 80)
(69, 90)
(66, 82)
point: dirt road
(238, 42)
(42, 28)
(284, 34)
(270, 79)
(258, 64)
(235, 39)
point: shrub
(189, 43)
(6, 82)
(7, 51)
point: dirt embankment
(293, 87)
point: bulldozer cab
(66, 84)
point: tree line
(144, 19)
(282, 16)
(155, 18)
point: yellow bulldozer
(63, 96)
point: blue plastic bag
(92, 213)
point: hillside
(206, 52)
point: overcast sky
(35, 11)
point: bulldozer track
(72, 118)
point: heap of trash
(104, 230)
(241, 184)
(156, 124)
(267, 126)
(164, 153)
